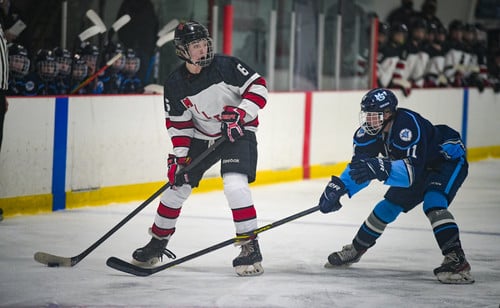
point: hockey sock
(169, 210)
(240, 201)
(372, 228)
(442, 221)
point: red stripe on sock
(168, 212)
(245, 213)
(162, 232)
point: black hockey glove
(370, 168)
(232, 123)
(329, 200)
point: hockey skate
(152, 253)
(248, 262)
(347, 256)
(455, 269)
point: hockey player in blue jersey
(421, 162)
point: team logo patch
(29, 86)
(360, 133)
(405, 134)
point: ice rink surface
(397, 272)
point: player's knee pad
(237, 190)
(434, 200)
(387, 211)
(175, 196)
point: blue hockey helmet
(378, 106)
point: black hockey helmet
(79, 69)
(374, 105)
(63, 60)
(456, 25)
(189, 32)
(132, 62)
(46, 65)
(111, 50)
(19, 62)
(383, 28)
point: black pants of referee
(3, 110)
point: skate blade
(455, 278)
(152, 262)
(249, 270)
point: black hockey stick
(133, 269)
(54, 261)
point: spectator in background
(79, 71)
(4, 80)
(140, 33)
(434, 72)
(130, 82)
(111, 80)
(403, 14)
(19, 64)
(90, 54)
(428, 12)
(46, 71)
(63, 61)
(454, 58)
(494, 72)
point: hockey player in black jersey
(421, 162)
(206, 98)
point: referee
(4, 80)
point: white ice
(397, 272)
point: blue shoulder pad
(361, 138)
(406, 130)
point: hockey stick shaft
(49, 259)
(96, 74)
(126, 267)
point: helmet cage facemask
(19, 65)
(182, 51)
(372, 122)
(64, 66)
(47, 70)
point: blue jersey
(413, 145)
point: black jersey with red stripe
(194, 102)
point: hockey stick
(88, 33)
(54, 261)
(133, 269)
(154, 63)
(96, 74)
(117, 25)
(96, 20)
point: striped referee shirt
(4, 63)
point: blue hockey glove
(452, 149)
(370, 168)
(232, 123)
(329, 200)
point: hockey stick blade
(168, 27)
(162, 40)
(133, 269)
(53, 260)
(94, 18)
(88, 33)
(120, 22)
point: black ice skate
(152, 253)
(455, 269)
(248, 262)
(347, 256)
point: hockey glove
(452, 149)
(175, 164)
(232, 122)
(329, 200)
(370, 168)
